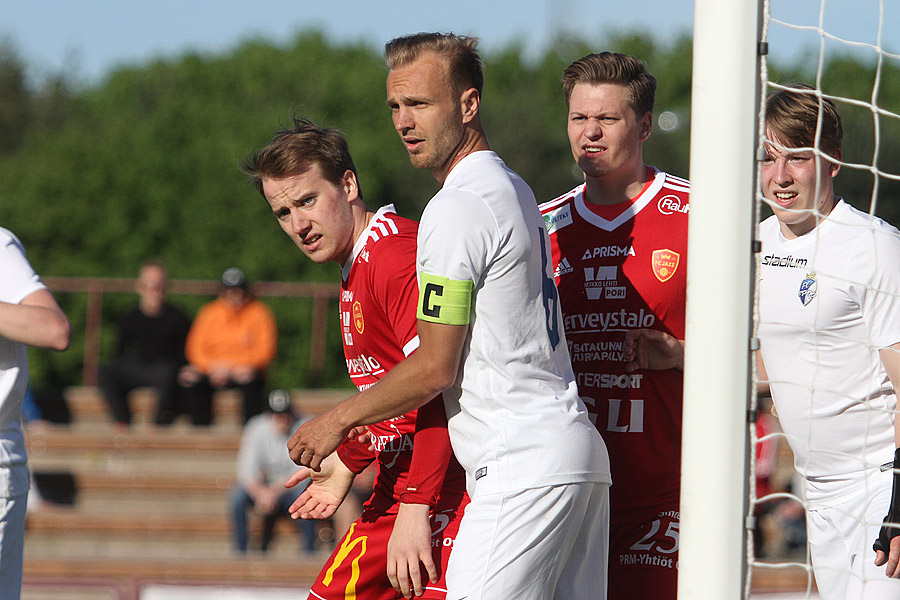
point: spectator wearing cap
(229, 345)
(263, 464)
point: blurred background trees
(95, 179)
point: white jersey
(515, 418)
(829, 300)
(17, 281)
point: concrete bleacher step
(87, 405)
(223, 571)
(95, 491)
(149, 494)
(64, 532)
(146, 453)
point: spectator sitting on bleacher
(263, 464)
(230, 344)
(150, 349)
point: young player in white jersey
(491, 340)
(829, 330)
(29, 316)
(308, 178)
(619, 244)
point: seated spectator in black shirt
(150, 350)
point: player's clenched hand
(652, 349)
(409, 548)
(887, 544)
(892, 568)
(326, 490)
(316, 439)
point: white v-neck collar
(636, 206)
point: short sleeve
(876, 266)
(18, 279)
(458, 237)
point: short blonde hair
(612, 67)
(792, 115)
(465, 66)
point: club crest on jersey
(558, 218)
(809, 287)
(664, 263)
(358, 317)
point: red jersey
(379, 292)
(617, 268)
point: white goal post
(724, 101)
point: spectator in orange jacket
(230, 345)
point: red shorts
(357, 569)
(643, 558)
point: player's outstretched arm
(652, 349)
(409, 549)
(887, 546)
(416, 380)
(36, 321)
(327, 489)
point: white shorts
(840, 544)
(12, 544)
(537, 544)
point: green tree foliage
(15, 101)
(147, 163)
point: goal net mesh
(847, 51)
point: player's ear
(835, 167)
(470, 102)
(350, 185)
(646, 126)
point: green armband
(443, 300)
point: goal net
(846, 50)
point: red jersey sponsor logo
(620, 320)
(596, 278)
(670, 204)
(664, 263)
(608, 251)
(363, 365)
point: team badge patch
(664, 263)
(809, 287)
(358, 317)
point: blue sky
(90, 37)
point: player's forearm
(410, 384)
(35, 324)
(890, 358)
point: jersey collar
(649, 192)
(362, 239)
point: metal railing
(97, 287)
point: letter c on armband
(444, 300)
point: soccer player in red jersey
(307, 176)
(619, 245)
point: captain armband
(444, 300)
